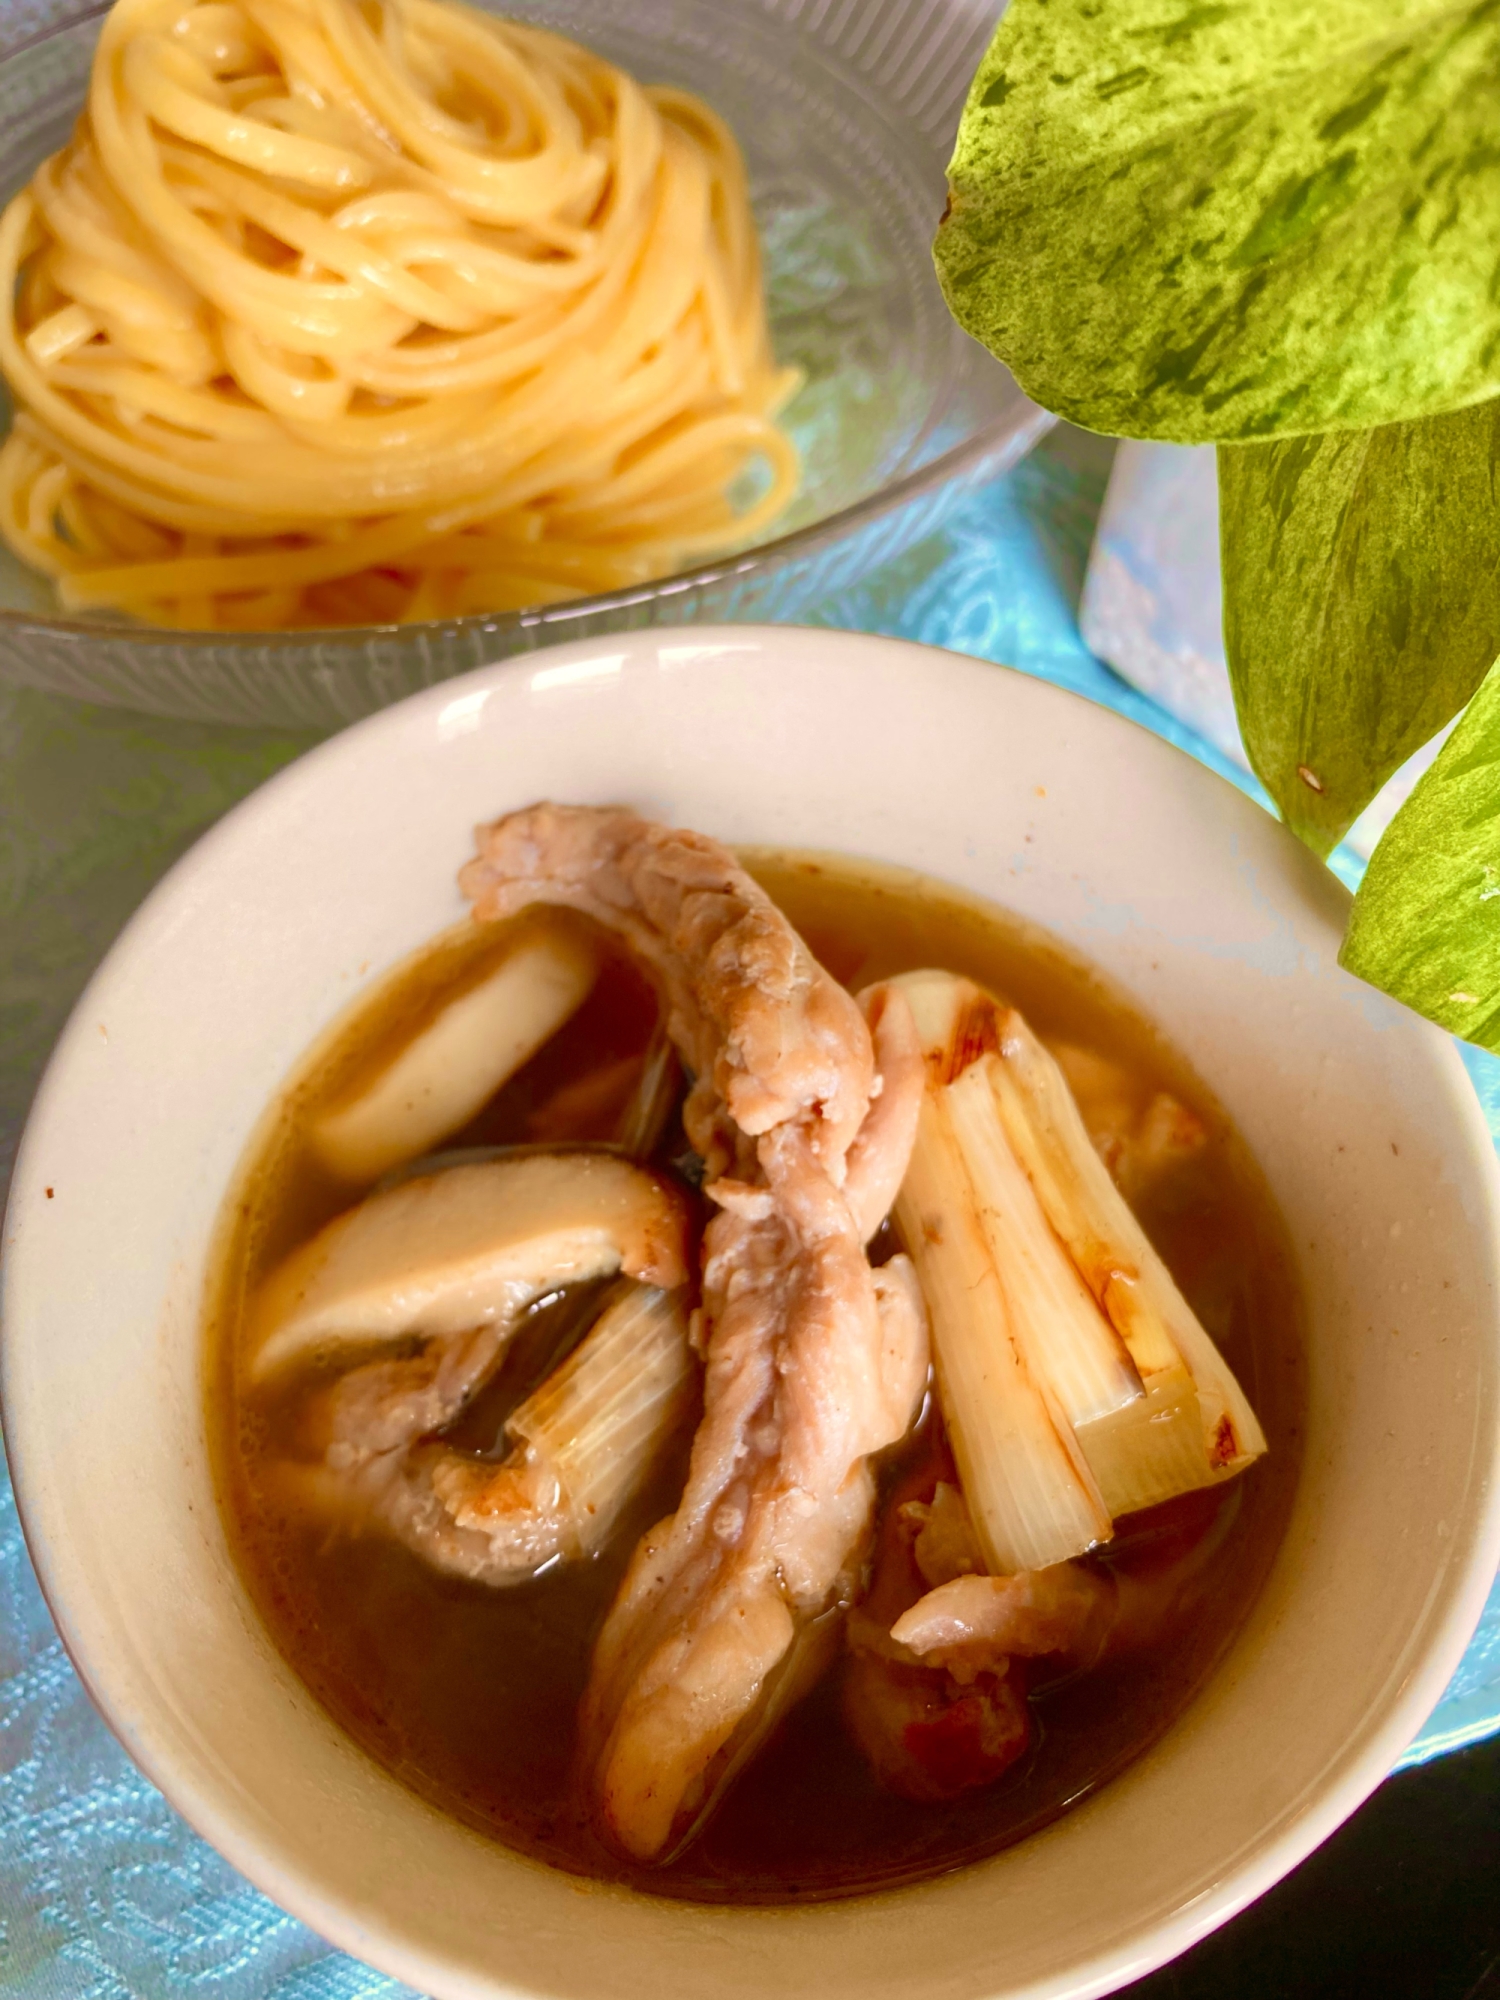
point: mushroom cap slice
(475, 1043)
(468, 1247)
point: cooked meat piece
(1165, 1137)
(975, 1625)
(384, 1405)
(882, 1146)
(398, 1494)
(925, 1734)
(935, 1685)
(1141, 1138)
(812, 1365)
(582, 1447)
(945, 1545)
(768, 1036)
(928, 1737)
(1076, 1613)
(454, 1259)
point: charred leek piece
(453, 1065)
(599, 1423)
(1066, 1337)
(1031, 1494)
(1196, 1426)
(1068, 1342)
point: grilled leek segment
(1031, 1495)
(1178, 1362)
(1066, 1338)
(600, 1421)
(1075, 1380)
(587, 1440)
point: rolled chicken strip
(811, 1367)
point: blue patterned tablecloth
(104, 1891)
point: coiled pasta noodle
(354, 311)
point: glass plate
(846, 111)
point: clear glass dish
(846, 111)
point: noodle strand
(361, 311)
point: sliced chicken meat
(974, 1625)
(583, 1446)
(768, 1036)
(925, 1733)
(814, 1362)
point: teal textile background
(104, 1891)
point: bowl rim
(987, 452)
(1343, 1784)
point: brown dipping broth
(468, 1694)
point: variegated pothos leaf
(1426, 921)
(1225, 219)
(1361, 602)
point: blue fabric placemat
(104, 1891)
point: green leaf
(1212, 220)
(1361, 602)
(1426, 921)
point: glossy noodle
(334, 313)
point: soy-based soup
(469, 1694)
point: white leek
(1198, 1426)
(1066, 1337)
(601, 1421)
(1025, 1247)
(1031, 1495)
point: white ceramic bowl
(1198, 905)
